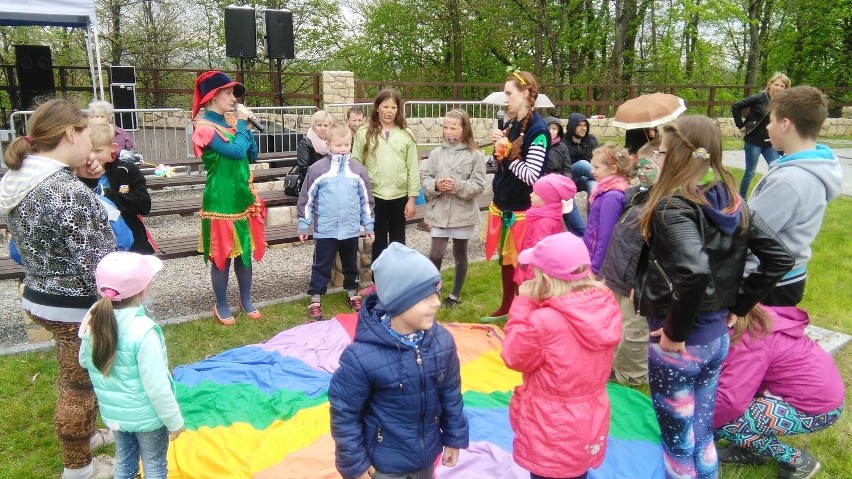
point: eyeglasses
(658, 155)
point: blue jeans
(752, 154)
(683, 391)
(325, 253)
(150, 446)
(574, 222)
(581, 173)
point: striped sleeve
(529, 170)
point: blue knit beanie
(403, 278)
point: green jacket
(393, 166)
(139, 393)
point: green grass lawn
(28, 448)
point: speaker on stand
(122, 91)
(240, 35)
(34, 68)
(280, 41)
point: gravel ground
(183, 288)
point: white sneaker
(101, 438)
(103, 467)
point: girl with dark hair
(386, 147)
(520, 154)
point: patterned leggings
(74, 419)
(683, 390)
(765, 419)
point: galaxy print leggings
(683, 390)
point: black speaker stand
(280, 92)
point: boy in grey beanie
(396, 398)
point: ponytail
(104, 335)
(46, 128)
(17, 151)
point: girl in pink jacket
(562, 332)
(544, 218)
(775, 382)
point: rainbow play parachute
(261, 411)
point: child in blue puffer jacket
(396, 399)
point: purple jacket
(785, 363)
(123, 140)
(603, 215)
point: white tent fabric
(64, 13)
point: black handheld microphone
(500, 115)
(256, 124)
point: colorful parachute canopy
(261, 411)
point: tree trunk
(753, 62)
(456, 40)
(691, 40)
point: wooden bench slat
(183, 246)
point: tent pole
(98, 56)
(91, 65)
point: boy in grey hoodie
(793, 196)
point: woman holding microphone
(232, 214)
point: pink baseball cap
(123, 274)
(559, 256)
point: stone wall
(338, 87)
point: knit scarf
(611, 182)
(551, 210)
(555, 141)
(320, 146)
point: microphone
(256, 124)
(500, 115)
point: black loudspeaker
(122, 74)
(34, 67)
(240, 32)
(124, 98)
(279, 34)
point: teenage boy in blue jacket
(396, 401)
(337, 201)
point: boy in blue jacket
(337, 201)
(396, 399)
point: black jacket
(757, 119)
(306, 156)
(582, 150)
(135, 201)
(559, 159)
(625, 245)
(691, 266)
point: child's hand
(175, 434)
(667, 344)
(94, 168)
(370, 237)
(303, 237)
(368, 473)
(449, 184)
(451, 456)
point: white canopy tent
(61, 13)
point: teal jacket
(139, 393)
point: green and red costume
(232, 214)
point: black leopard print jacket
(61, 232)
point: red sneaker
(355, 303)
(315, 312)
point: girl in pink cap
(544, 218)
(125, 353)
(562, 332)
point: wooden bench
(186, 206)
(260, 176)
(183, 246)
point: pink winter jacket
(564, 348)
(786, 363)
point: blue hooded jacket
(392, 406)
